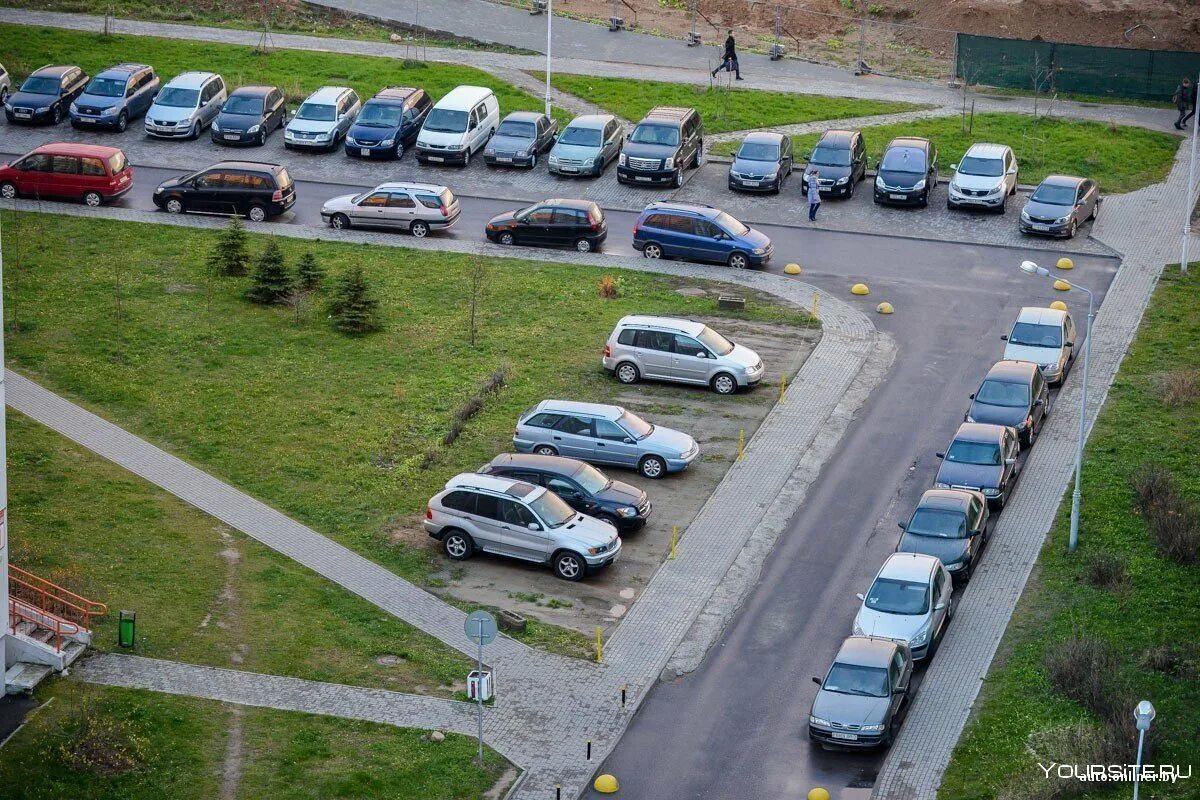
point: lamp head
(1030, 268)
(1144, 714)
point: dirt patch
(500, 787)
(231, 767)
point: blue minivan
(115, 96)
(699, 233)
(388, 123)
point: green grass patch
(1154, 608)
(1098, 99)
(722, 110)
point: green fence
(1073, 68)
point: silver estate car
(491, 514)
(910, 601)
(414, 207)
(1045, 336)
(865, 695)
(603, 434)
(680, 350)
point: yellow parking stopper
(606, 784)
(884, 308)
(792, 269)
(1062, 286)
(1059, 305)
(818, 794)
(1065, 263)
(859, 288)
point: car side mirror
(816, 680)
(1010, 461)
(954, 167)
(860, 596)
(1070, 344)
(1039, 402)
(533, 526)
(627, 440)
(901, 526)
(203, 103)
(1012, 170)
(1004, 337)
(939, 607)
(940, 455)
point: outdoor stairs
(49, 628)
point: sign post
(480, 628)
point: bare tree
(478, 278)
(297, 300)
(1041, 76)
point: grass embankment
(146, 746)
(722, 110)
(1116, 590)
(296, 72)
(1120, 157)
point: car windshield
(243, 104)
(998, 393)
(591, 479)
(857, 680)
(939, 522)
(830, 157)
(584, 137)
(904, 159)
(984, 454)
(1031, 335)
(175, 97)
(730, 225)
(443, 120)
(35, 84)
(635, 425)
(551, 510)
(656, 134)
(517, 130)
(983, 167)
(758, 151)
(1054, 195)
(317, 112)
(715, 342)
(892, 596)
(380, 115)
(525, 212)
(106, 87)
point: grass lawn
(733, 110)
(178, 751)
(1154, 607)
(297, 72)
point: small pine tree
(230, 255)
(270, 282)
(309, 273)
(352, 309)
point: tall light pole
(3, 486)
(1189, 199)
(1030, 268)
(549, 23)
(1144, 714)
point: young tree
(230, 256)
(271, 282)
(309, 273)
(352, 309)
(478, 277)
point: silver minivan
(186, 105)
(669, 349)
(910, 601)
(414, 207)
(492, 514)
(322, 120)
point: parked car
(587, 146)
(699, 233)
(246, 188)
(5, 85)
(603, 434)
(864, 696)
(388, 123)
(520, 139)
(985, 178)
(115, 96)
(909, 601)
(582, 486)
(92, 173)
(512, 518)
(1045, 336)
(841, 159)
(1015, 394)
(46, 95)
(662, 146)
(907, 172)
(1058, 206)
(186, 105)
(555, 223)
(323, 119)
(414, 207)
(952, 526)
(762, 164)
(680, 350)
(249, 116)
(458, 126)
(982, 458)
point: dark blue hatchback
(699, 233)
(388, 123)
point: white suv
(985, 178)
(186, 105)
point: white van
(458, 126)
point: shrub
(610, 288)
(494, 383)
(1179, 388)
(1176, 531)
(352, 309)
(270, 282)
(230, 256)
(1105, 570)
(309, 272)
(100, 743)
(1151, 483)
(1082, 669)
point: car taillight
(277, 196)
(428, 512)
(595, 227)
(445, 211)
(607, 350)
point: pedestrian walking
(814, 195)
(729, 62)
(1184, 100)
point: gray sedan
(1060, 205)
(520, 139)
(864, 696)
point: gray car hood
(1046, 211)
(340, 203)
(668, 442)
(851, 709)
(742, 356)
(586, 531)
(583, 152)
(976, 476)
(170, 113)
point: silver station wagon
(414, 207)
(679, 350)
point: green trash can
(126, 628)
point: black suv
(388, 123)
(46, 95)
(245, 188)
(556, 223)
(907, 172)
(662, 145)
(583, 487)
(840, 159)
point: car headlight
(843, 181)
(554, 159)
(920, 638)
(422, 144)
(108, 112)
(969, 418)
(857, 630)
(873, 728)
(669, 163)
(734, 173)
(954, 566)
(1025, 423)
(1060, 220)
(989, 492)
(253, 128)
(878, 182)
(595, 551)
(158, 190)
(954, 187)
(489, 151)
(1050, 367)
(759, 251)
(323, 137)
(287, 134)
(74, 108)
(621, 161)
(43, 109)
(818, 721)
(1025, 216)
(627, 512)
(387, 142)
(940, 485)
(920, 185)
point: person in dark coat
(729, 62)
(1185, 101)
(814, 195)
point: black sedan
(551, 223)
(982, 458)
(952, 526)
(1060, 205)
(907, 172)
(520, 139)
(249, 115)
(1015, 394)
(46, 95)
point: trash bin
(126, 628)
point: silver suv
(414, 207)
(519, 520)
(679, 350)
(985, 178)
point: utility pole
(1189, 199)
(3, 483)
(549, 22)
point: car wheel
(506, 238)
(399, 151)
(698, 160)
(652, 467)
(925, 198)
(256, 213)
(609, 518)
(3, 96)
(1003, 205)
(890, 735)
(850, 191)
(545, 450)
(678, 182)
(56, 114)
(93, 199)
(724, 383)
(262, 139)
(175, 206)
(533, 160)
(627, 372)
(1071, 230)
(739, 260)
(122, 122)
(339, 221)
(467, 158)
(652, 250)
(458, 545)
(1095, 212)
(584, 245)
(8, 190)
(570, 566)
(419, 229)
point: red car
(92, 173)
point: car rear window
(117, 162)
(627, 336)
(543, 420)
(460, 501)
(283, 179)
(595, 215)
(93, 166)
(447, 197)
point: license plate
(569, 169)
(751, 183)
(364, 152)
(233, 137)
(849, 737)
(641, 178)
(504, 159)
(21, 114)
(895, 197)
(1037, 226)
(435, 158)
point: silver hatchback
(492, 514)
(910, 601)
(414, 207)
(679, 350)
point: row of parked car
(866, 692)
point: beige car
(414, 207)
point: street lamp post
(1144, 714)
(549, 21)
(1189, 201)
(1031, 268)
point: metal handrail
(18, 609)
(90, 607)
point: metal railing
(52, 599)
(21, 611)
